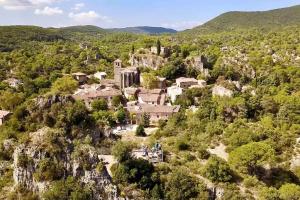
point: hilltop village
(139, 93)
(90, 114)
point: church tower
(117, 71)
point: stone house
(4, 116)
(185, 83)
(153, 50)
(173, 92)
(131, 92)
(100, 75)
(162, 83)
(154, 96)
(156, 112)
(88, 95)
(80, 77)
(201, 84)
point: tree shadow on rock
(276, 177)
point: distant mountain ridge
(277, 18)
(144, 30)
(225, 22)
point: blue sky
(177, 14)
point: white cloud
(48, 11)
(88, 17)
(182, 25)
(24, 4)
(78, 6)
(15, 4)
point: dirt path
(219, 151)
(295, 161)
(129, 135)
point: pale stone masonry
(100, 75)
(4, 115)
(173, 92)
(125, 77)
(219, 90)
(156, 112)
(185, 83)
(93, 92)
(80, 77)
(13, 82)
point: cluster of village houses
(157, 103)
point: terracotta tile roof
(150, 97)
(148, 91)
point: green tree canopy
(217, 170)
(246, 158)
(99, 105)
(64, 85)
(181, 186)
(122, 151)
(289, 192)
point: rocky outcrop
(198, 63)
(219, 90)
(80, 161)
(48, 101)
(147, 60)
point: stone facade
(185, 83)
(173, 92)
(126, 77)
(156, 112)
(199, 64)
(80, 77)
(100, 75)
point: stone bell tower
(117, 71)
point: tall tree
(158, 45)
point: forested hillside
(263, 19)
(144, 30)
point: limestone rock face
(147, 60)
(221, 91)
(46, 102)
(73, 161)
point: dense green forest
(255, 130)
(261, 19)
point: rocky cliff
(147, 60)
(46, 156)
